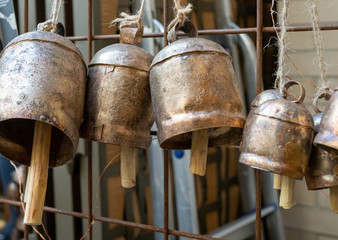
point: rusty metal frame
(259, 30)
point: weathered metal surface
(118, 103)
(322, 170)
(327, 137)
(193, 87)
(43, 78)
(278, 138)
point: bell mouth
(321, 182)
(16, 138)
(224, 129)
(266, 164)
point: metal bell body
(327, 137)
(118, 102)
(193, 87)
(278, 138)
(322, 171)
(43, 78)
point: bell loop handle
(188, 28)
(325, 95)
(289, 84)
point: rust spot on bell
(43, 78)
(193, 87)
(278, 136)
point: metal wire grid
(259, 30)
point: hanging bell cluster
(194, 88)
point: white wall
(312, 218)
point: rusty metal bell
(322, 171)
(278, 137)
(193, 87)
(43, 78)
(118, 103)
(327, 137)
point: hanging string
(313, 9)
(50, 24)
(272, 12)
(180, 17)
(281, 72)
(128, 20)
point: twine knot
(51, 23)
(48, 25)
(129, 20)
(179, 20)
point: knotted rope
(180, 17)
(50, 24)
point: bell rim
(142, 141)
(273, 166)
(52, 162)
(235, 123)
(317, 183)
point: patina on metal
(43, 78)
(193, 87)
(278, 137)
(118, 103)
(322, 171)
(327, 137)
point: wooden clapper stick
(199, 152)
(287, 194)
(277, 179)
(38, 174)
(128, 166)
(334, 198)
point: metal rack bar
(259, 87)
(215, 32)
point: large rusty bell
(278, 137)
(43, 78)
(327, 137)
(193, 87)
(118, 106)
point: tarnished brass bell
(118, 103)
(278, 137)
(193, 87)
(327, 137)
(322, 171)
(43, 78)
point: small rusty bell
(322, 170)
(193, 87)
(118, 103)
(327, 137)
(278, 137)
(43, 78)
